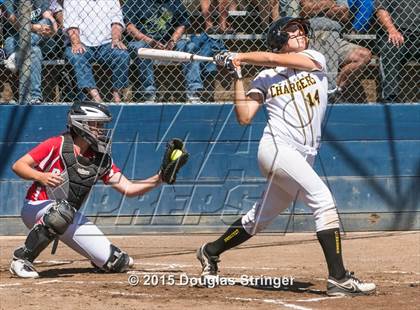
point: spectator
(160, 24)
(327, 18)
(399, 41)
(56, 8)
(223, 6)
(289, 8)
(53, 47)
(362, 11)
(54, 52)
(43, 25)
(94, 29)
(269, 12)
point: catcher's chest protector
(79, 174)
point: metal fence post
(24, 50)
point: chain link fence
(60, 51)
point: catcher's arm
(133, 188)
(24, 168)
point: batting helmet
(89, 120)
(277, 37)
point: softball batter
(295, 93)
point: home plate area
(270, 271)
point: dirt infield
(391, 260)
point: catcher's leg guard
(54, 222)
(38, 239)
(118, 261)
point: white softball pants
(82, 235)
(289, 174)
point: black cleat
(208, 263)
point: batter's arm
(245, 106)
(133, 188)
(289, 60)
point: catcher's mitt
(174, 158)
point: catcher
(64, 169)
(295, 93)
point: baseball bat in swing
(176, 56)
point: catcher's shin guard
(38, 239)
(54, 222)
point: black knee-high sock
(331, 245)
(234, 235)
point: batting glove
(221, 58)
(225, 60)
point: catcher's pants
(82, 235)
(290, 175)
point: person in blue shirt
(43, 25)
(160, 24)
(362, 11)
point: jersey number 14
(313, 98)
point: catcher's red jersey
(47, 157)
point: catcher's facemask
(91, 121)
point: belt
(306, 149)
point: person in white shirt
(294, 91)
(94, 29)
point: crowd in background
(109, 32)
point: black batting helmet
(277, 37)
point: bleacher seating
(170, 89)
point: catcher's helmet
(89, 121)
(277, 37)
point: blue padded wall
(370, 159)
